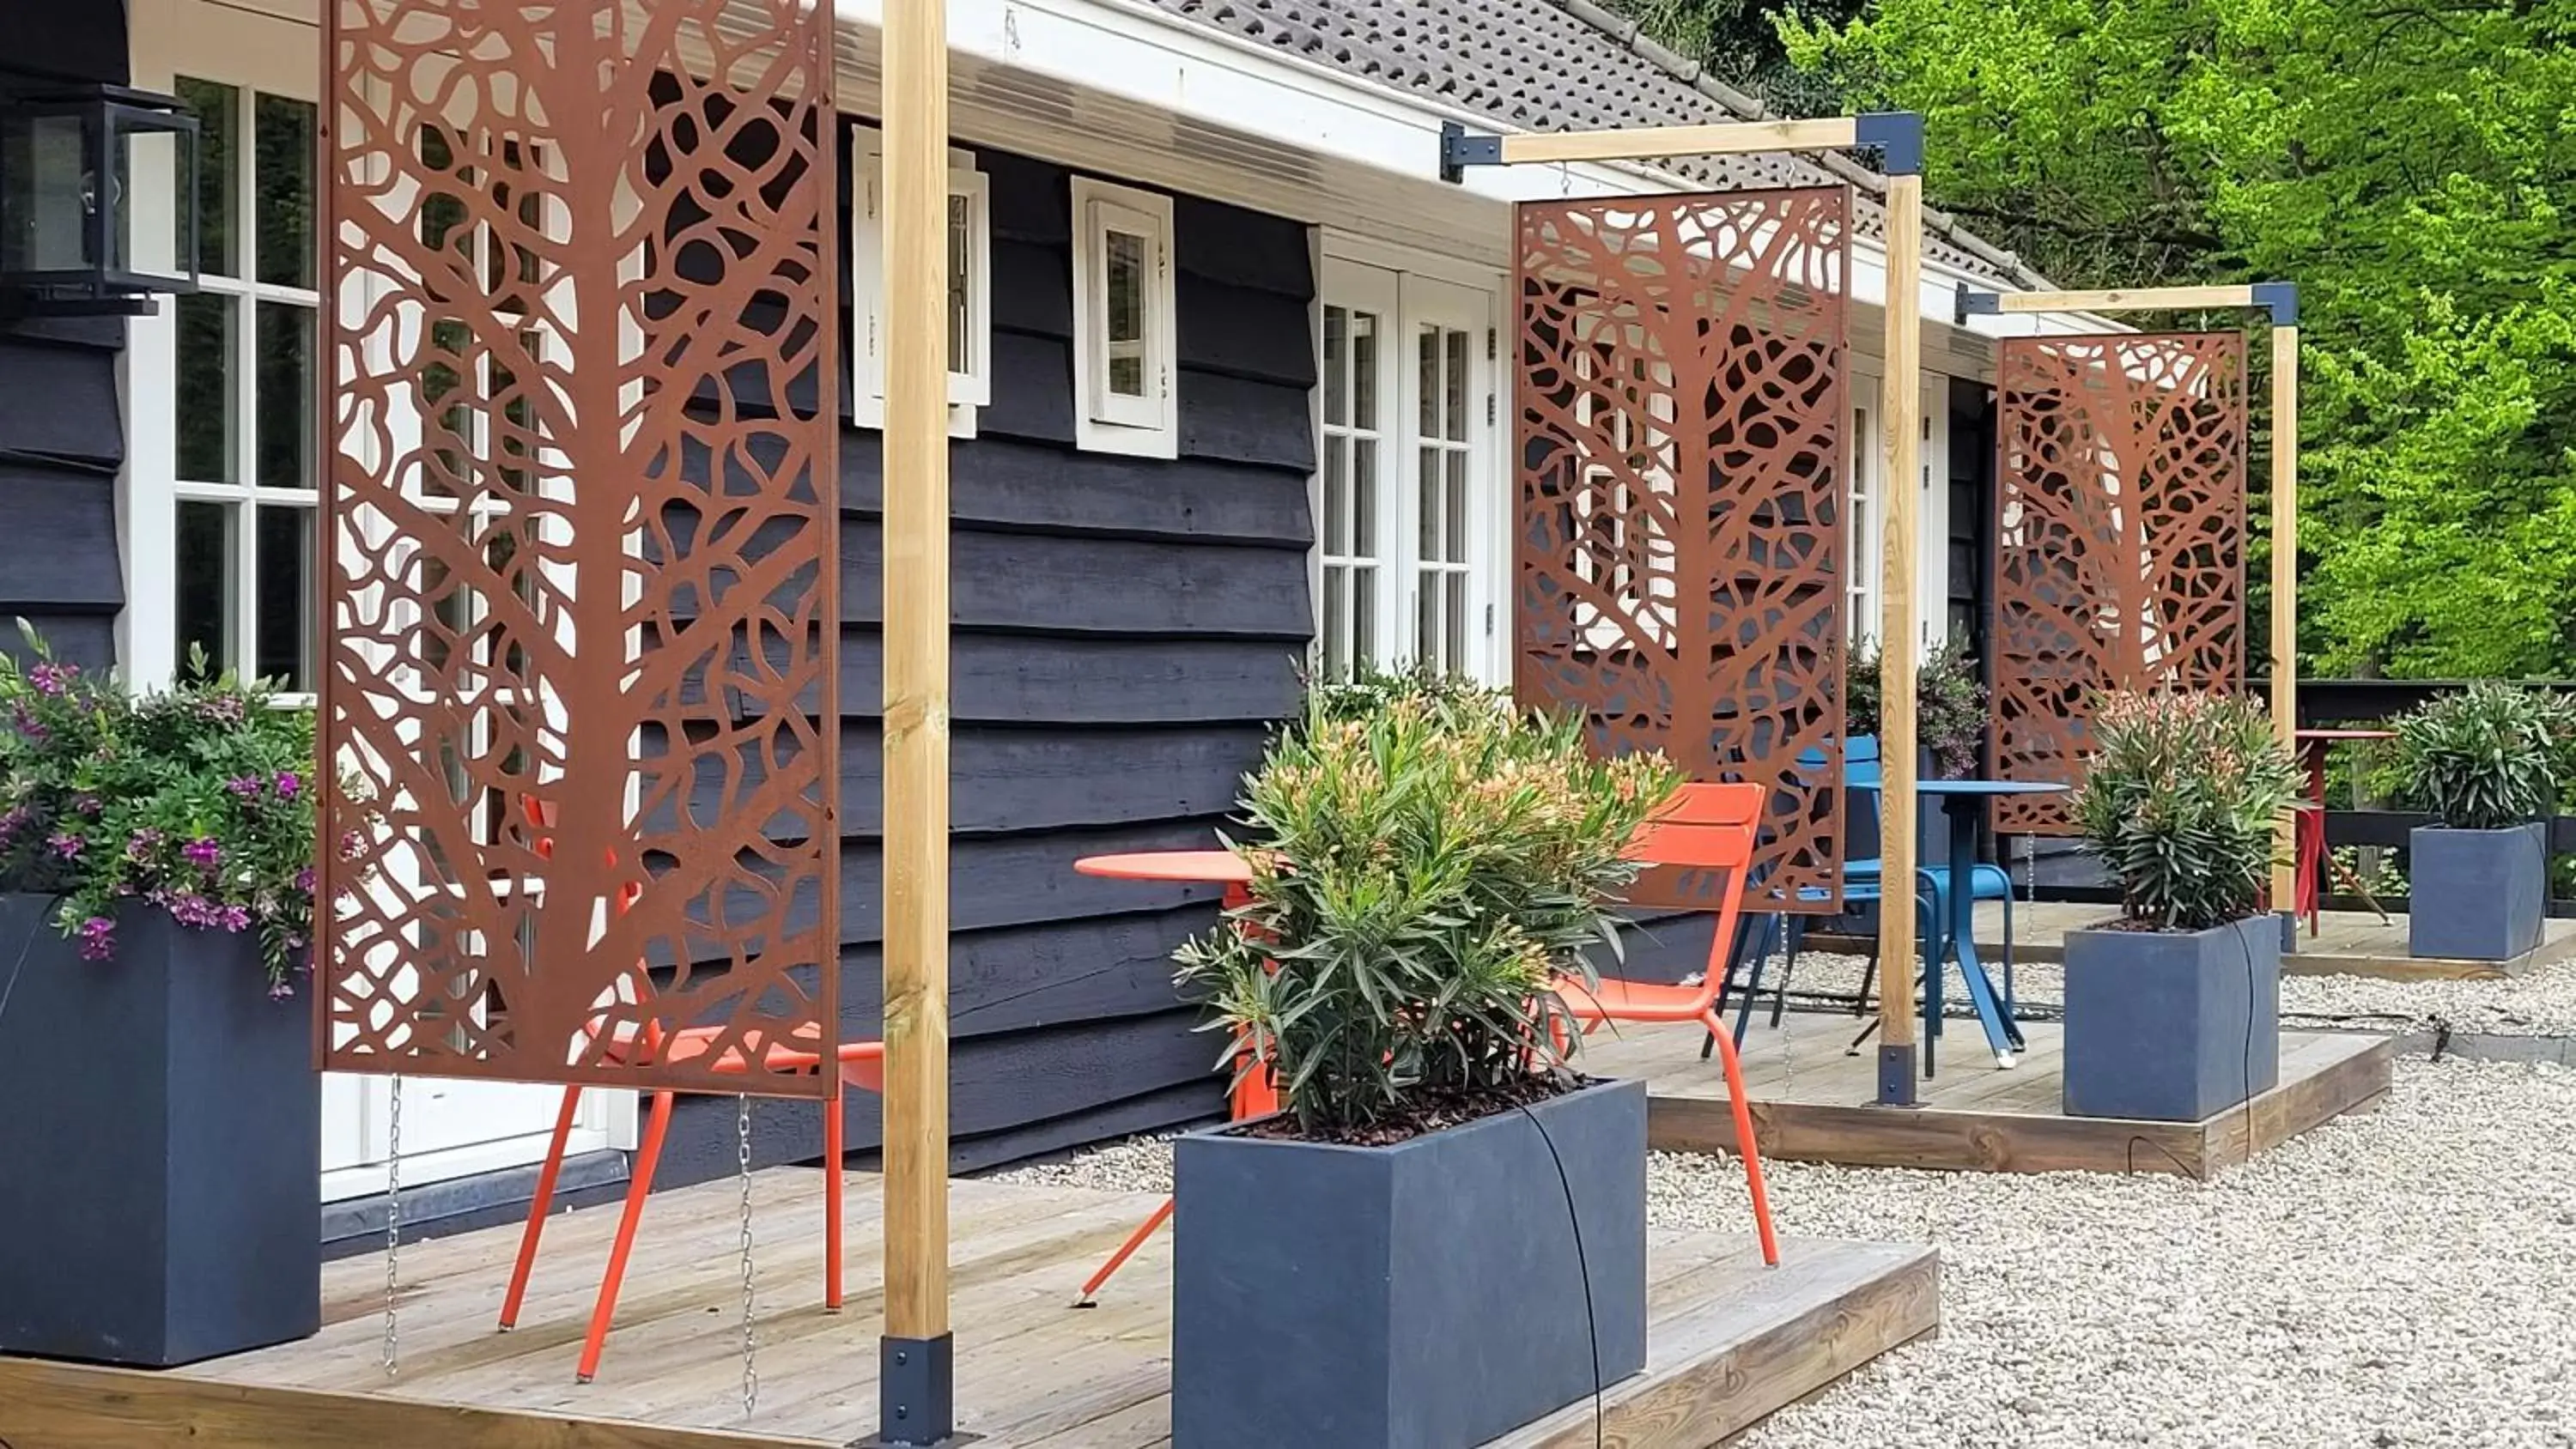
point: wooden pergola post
(1898, 138)
(2281, 301)
(916, 1401)
(2285, 581)
(1902, 407)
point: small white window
(970, 291)
(1122, 320)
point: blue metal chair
(1862, 783)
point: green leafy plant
(2483, 757)
(2180, 800)
(199, 801)
(1427, 860)
(1949, 706)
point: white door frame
(1417, 289)
(266, 52)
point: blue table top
(1986, 787)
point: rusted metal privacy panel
(2119, 540)
(579, 565)
(1680, 563)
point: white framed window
(1359, 414)
(1410, 513)
(243, 480)
(1123, 306)
(969, 311)
(1447, 337)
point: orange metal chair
(859, 1064)
(1709, 827)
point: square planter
(2476, 895)
(1427, 1295)
(2171, 1026)
(160, 1201)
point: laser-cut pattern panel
(1679, 552)
(579, 543)
(2120, 539)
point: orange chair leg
(1125, 1251)
(832, 1203)
(538, 1208)
(1751, 1154)
(639, 1187)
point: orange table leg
(537, 1209)
(1125, 1251)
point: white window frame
(969, 387)
(1146, 427)
(148, 646)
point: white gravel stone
(2541, 1002)
(2402, 1277)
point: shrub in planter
(2483, 762)
(1397, 1259)
(160, 1201)
(2173, 1010)
(1949, 708)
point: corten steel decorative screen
(1680, 559)
(2120, 539)
(579, 570)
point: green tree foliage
(1739, 41)
(2410, 163)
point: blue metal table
(1964, 803)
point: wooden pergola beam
(2281, 300)
(1896, 135)
(1898, 138)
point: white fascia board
(1144, 55)
(1141, 54)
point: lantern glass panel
(46, 194)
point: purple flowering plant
(197, 801)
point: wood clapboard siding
(1127, 630)
(62, 439)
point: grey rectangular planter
(2171, 1026)
(1428, 1295)
(160, 1147)
(2476, 895)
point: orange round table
(1256, 1094)
(1223, 867)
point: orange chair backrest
(1707, 827)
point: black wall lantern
(68, 243)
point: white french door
(1410, 503)
(219, 495)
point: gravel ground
(2401, 1278)
(2540, 1003)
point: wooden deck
(2348, 943)
(1814, 1103)
(1730, 1341)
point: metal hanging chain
(2030, 870)
(393, 1227)
(742, 1154)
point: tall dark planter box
(1428, 1295)
(160, 1146)
(2171, 1026)
(2476, 895)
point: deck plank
(1813, 1102)
(1729, 1339)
